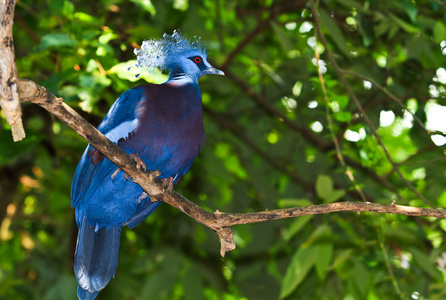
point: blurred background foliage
(268, 146)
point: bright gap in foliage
(317, 126)
(312, 42)
(435, 114)
(367, 85)
(381, 61)
(312, 104)
(386, 118)
(351, 135)
(438, 139)
(441, 76)
(289, 103)
(305, 27)
(272, 137)
(297, 88)
(354, 136)
(322, 65)
(291, 25)
(402, 123)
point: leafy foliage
(268, 146)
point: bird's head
(176, 54)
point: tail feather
(96, 258)
(85, 295)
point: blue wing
(97, 247)
(120, 122)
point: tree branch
(9, 99)
(218, 221)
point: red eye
(197, 60)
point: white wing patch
(122, 130)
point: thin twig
(220, 28)
(340, 156)
(376, 177)
(388, 265)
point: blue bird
(161, 125)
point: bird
(161, 127)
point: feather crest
(158, 53)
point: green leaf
(341, 258)
(300, 265)
(283, 39)
(147, 5)
(365, 28)
(324, 186)
(128, 71)
(321, 233)
(420, 49)
(107, 36)
(351, 4)
(343, 116)
(409, 9)
(334, 31)
(404, 25)
(424, 262)
(296, 226)
(64, 8)
(325, 190)
(83, 17)
(56, 40)
(439, 32)
(284, 203)
(361, 277)
(324, 255)
(341, 100)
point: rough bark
(9, 98)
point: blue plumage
(163, 125)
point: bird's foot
(167, 183)
(139, 165)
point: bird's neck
(179, 76)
